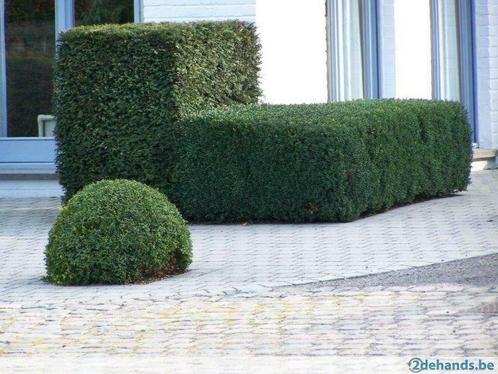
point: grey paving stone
(418, 288)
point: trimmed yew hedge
(149, 103)
(119, 90)
(328, 162)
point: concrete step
(484, 159)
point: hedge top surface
(117, 231)
(365, 112)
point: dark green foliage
(98, 12)
(29, 10)
(117, 232)
(119, 90)
(127, 100)
(329, 162)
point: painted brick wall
(195, 10)
(293, 35)
(487, 71)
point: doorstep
(25, 170)
(29, 180)
(484, 159)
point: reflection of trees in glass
(29, 89)
(30, 49)
(29, 10)
(96, 12)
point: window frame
(35, 152)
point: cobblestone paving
(268, 290)
(232, 258)
(430, 321)
(328, 321)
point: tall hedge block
(120, 90)
(325, 162)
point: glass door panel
(449, 59)
(27, 43)
(352, 86)
(29, 57)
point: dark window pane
(30, 49)
(96, 12)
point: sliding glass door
(28, 31)
(29, 53)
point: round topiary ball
(116, 232)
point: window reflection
(96, 12)
(30, 48)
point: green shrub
(327, 162)
(117, 231)
(119, 90)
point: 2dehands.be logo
(416, 365)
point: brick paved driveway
(241, 296)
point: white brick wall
(195, 10)
(487, 72)
(293, 35)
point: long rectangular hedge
(120, 90)
(330, 162)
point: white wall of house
(412, 36)
(487, 72)
(196, 10)
(293, 36)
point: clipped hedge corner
(325, 162)
(116, 232)
(119, 90)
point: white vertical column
(294, 50)
(412, 33)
